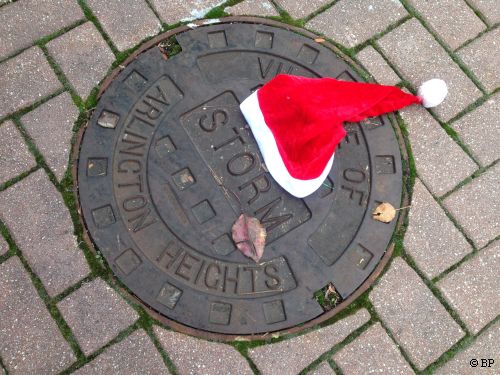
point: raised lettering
(243, 158)
(212, 280)
(134, 203)
(272, 222)
(219, 117)
(257, 188)
(272, 272)
(354, 175)
(141, 221)
(230, 140)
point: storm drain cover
(167, 163)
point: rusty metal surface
(167, 163)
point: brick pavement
(434, 308)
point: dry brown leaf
(319, 40)
(385, 212)
(249, 236)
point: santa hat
(298, 122)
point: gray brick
(83, 56)
(50, 126)
(483, 57)
(292, 355)
(96, 314)
(22, 22)
(372, 352)
(489, 9)
(452, 20)
(125, 23)
(476, 207)
(4, 246)
(353, 22)
(15, 157)
(485, 347)
(253, 7)
(419, 57)
(441, 163)
(377, 66)
(480, 130)
(174, 11)
(298, 9)
(323, 369)
(473, 289)
(196, 357)
(431, 238)
(136, 354)
(30, 342)
(24, 80)
(416, 319)
(40, 223)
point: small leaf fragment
(249, 236)
(319, 40)
(385, 212)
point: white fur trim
(432, 92)
(269, 149)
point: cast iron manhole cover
(167, 163)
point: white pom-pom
(432, 92)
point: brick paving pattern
(136, 354)
(417, 322)
(83, 56)
(14, 155)
(473, 289)
(293, 355)
(431, 238)
(34, 212)
(22, 22)
(30, 341)
(194, 356)
(474, 125)
(482, 223)
(24, 80)
(50, 127)
(372, 352)
(96, 314)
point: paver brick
(353, 22)
(483, 57)
(96, 314)
(480, 130)
(420, 57)
(24, 80)
(431, 238)
(377, 66)
(50, 126)
(4, 246)
(174, 11)
(488, 8)
(22, 22)
(485, 347)
(476, 206)
(292, 355)
(416, 319)
(441, 163)
(297, 9)
(136, 354)
(323, 369)
(15, 157)
(196, 357)
(253, 7)
(372, 352)
(473, 289)
(41, 226)
(126, 24)
(83, 56)
(30, 342)
(452, 20)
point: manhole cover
(167, 163)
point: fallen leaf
(249, 236)
(385, 212)
(319, 40)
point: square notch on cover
(128, 261)
(169, 295)
(108, 119)
(203, 211)
(274, 311)
(217, 39)
(220, 313)
(103, 216)
(97, 167)
(223, 245)
(183, 178)
(264, 40)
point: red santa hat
(298, 122)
